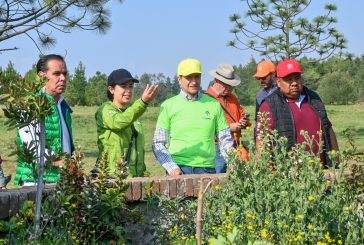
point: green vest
(53, 141)
(114, 134)
(192, 126)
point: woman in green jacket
(119, 131)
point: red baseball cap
(286, 67)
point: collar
(211, 90)
(50, 96)
(298, 101)
(188, 97)
(274, 87)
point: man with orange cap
(293, 108)
(266, 74)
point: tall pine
(96, 90)
(75, 92)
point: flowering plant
(282, 197)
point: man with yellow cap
(266, 74)
(184, 139)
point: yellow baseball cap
(189, 66)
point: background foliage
(342, 117)
(338, 81)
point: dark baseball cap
(120, 76)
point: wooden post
(201, 193)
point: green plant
(80, 210)
(280, 197)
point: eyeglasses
(227, 86)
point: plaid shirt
(161, 141)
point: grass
(84, 128)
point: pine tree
(96, 90)
(282, 31)
(75, 92)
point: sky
(153, 36)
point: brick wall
(171, 187)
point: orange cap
(264, 68)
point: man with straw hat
(225, 80)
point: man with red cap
(293, 108)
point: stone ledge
(171, 187)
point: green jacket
(114, 134)
(53, 142)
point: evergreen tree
(31, 75)
(359, 79)
(247, 90)
(337, 88)
(75, 92)
(283, 32)
(173, 87)
(145, 79)
(9, 74)
(312, 75)
(96, 90)
(38, 19)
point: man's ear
(41, 74)
(278, 82)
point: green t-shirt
(192, 126)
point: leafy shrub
(81, 209)
(279, 197)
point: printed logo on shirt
(206, 115)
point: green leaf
(231, 236)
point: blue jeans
(220, 164)
(196, 170)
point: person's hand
(149, 93)
(244, 122)
(176, 171)
(235, 127)
(58, 163)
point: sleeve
(225, 142)
(114, 120)
(159, 147)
